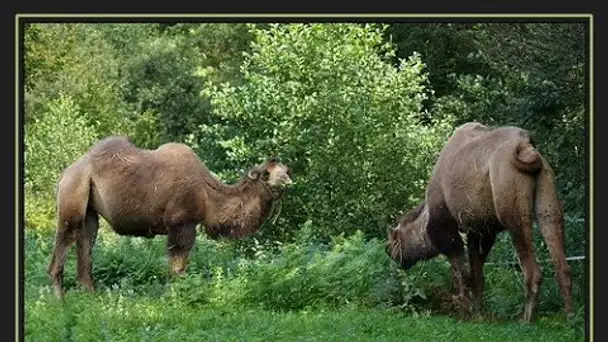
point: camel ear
(393, 234)
(254, 174)
(265, 175)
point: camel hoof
(525, 319)
(59, 292)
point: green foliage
(349, 283)
(159, 79)
(122, 318)
(221, 44)
(351, 271)
(45, 162)
(446, 48)
(328, 101)
(357, 118)
(83, 65)
(50, 146)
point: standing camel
(166, 191)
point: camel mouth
(282, 185)
(397, 256)
(406, 266)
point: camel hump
(526, 158)
(174, 147)
(114, 140)
(178, 154)
(111, 144)
(473, 126)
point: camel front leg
(479, 246)
(459, 276)
(180, 241)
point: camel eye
(265, 175)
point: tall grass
(351, 272)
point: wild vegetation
(359, 112)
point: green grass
(113, 317)
(298, 292)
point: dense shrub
(327, 99)
(349, 271)
(49, 148)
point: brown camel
(486, 181)
(166, 191)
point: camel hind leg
(84, 247)
(550, 220)
(72, 201)
(64, 237)
(512, 194)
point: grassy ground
(349, 293)
(112, 317)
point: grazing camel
(486, 181)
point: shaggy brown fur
(486, 181)
(145, 193)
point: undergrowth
(350, 272)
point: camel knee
(178, 262)
(564, 279)
(178, 256)
(181, 240)
(49, 271)
(84, 270)
(563, 271)
(55, 272)
(67, 232)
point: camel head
(408, 242)
(274, 174)
(398, 247)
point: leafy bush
(349, 271)
(326, 98)
(50, 146)
(159, 80)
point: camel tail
(550, 219)
(72, 195)
(73, 192)
(526, 158)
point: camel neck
(237, 214)
(420, 236)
